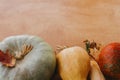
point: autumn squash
(95, 72)
(73, 63)
(26, 57)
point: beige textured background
(62, 22)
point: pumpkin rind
(38, 64)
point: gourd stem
(89, 45)
(92, 56)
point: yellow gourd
(95, 72)
(73, 63)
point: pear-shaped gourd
(95, 72)
(73, 63)
(37, 59)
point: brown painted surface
(62, 22)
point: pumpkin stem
(11, 64)
(7, 59)
(87, 44)
(25, 50)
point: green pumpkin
(38, 64)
